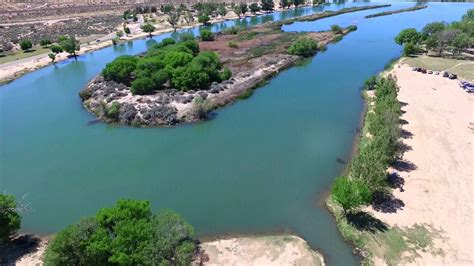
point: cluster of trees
(303, 46)
(64, 44)
(439, 36)
(368, 170)
(179, 65)
(289, 3)
(10, 219)
(125, 234)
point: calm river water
(261, 165)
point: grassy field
(36, 50)
(462, 68)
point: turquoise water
(260, 166)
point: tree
(56, 49)
(173, 19)
(45, 42)
(238, 10)
(10, 220)
(408, 35)
(433, 28)
(126, 30)
(431, 42)
(410, 49)
(25, 45)
(244, 8)
(303, 46)
(461, 42)
(336, 29)
(125, 234)
(350, 194)
(267, 5)
(207, 35)
(119, 33)
(188, 17)
(166, 9)
(254, 8)
(52, 56)
(445, 38)
(298, 2)
(204, 19)
(148, 28)
(70, 45)
(370, 83)
(222, 10)
(142, 86)
(120, 69)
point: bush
(168, 41)
(207, 35)
(226, 74)
(142, 85)
(10, 220)
(370, 83)
(231, 31)
(336, 29)
(233, 44)
(113, 110)
(25, 45)
(191, 45)
(56, 49)
(126, 30)
(45, 42)
(408, 36)
(352, 28)
(304, 46)
(120, 69)
(125, 234)
(410, 49)
(183, 37)
(350, 194)
(204, 19)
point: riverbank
(253, 55)
(422, 221)
(386, 13)
(244, 250)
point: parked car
(445, 74)
(453, 76)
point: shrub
(207, 35)
(233, 44)
(336, 29)
(45, 42)
(303, 46)
(352, 28)
(52, 56)
(191, 77)
(125, 234)
(120, 69)
(191, 45)
(168, 41)
(350, 194)
(370, 83)
(142, 85)
(56, 49)
(126, 30)
(148, 28)
(226, 74)
(119, 33)
(10, 220)
(25, 45)
(204, 19)
(410, 49)
(113, 110)
(183, 37)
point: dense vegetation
(439, 36)
(368, 170)
(125, 234)
(303, 46)
(168, 64)
(10, 220)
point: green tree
(26, 45)
(142, 86)
(461, 42)
(350, 194)
(204, 19)
(336, 29)
(70, 45)
(244, 7)
(238, 10)
(45, 42)
(126, 30)
(303, 46)
(173, 19)
(125, 234)
(371, 83)
(120, 69)
(207, 35)
(267, 5)
(148, 28)
(222, 10)
(254, 8)
(188, 17)
(410, 49)
(119, 33)
(52, 56)
(10, 220)
(56, 49)
(431, 42)
(408, 35)
(433, 28)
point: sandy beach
(437, 168)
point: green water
(260, 166)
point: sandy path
(438, 188)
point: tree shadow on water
(363, 221)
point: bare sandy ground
(263, 250)
(439, 164)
